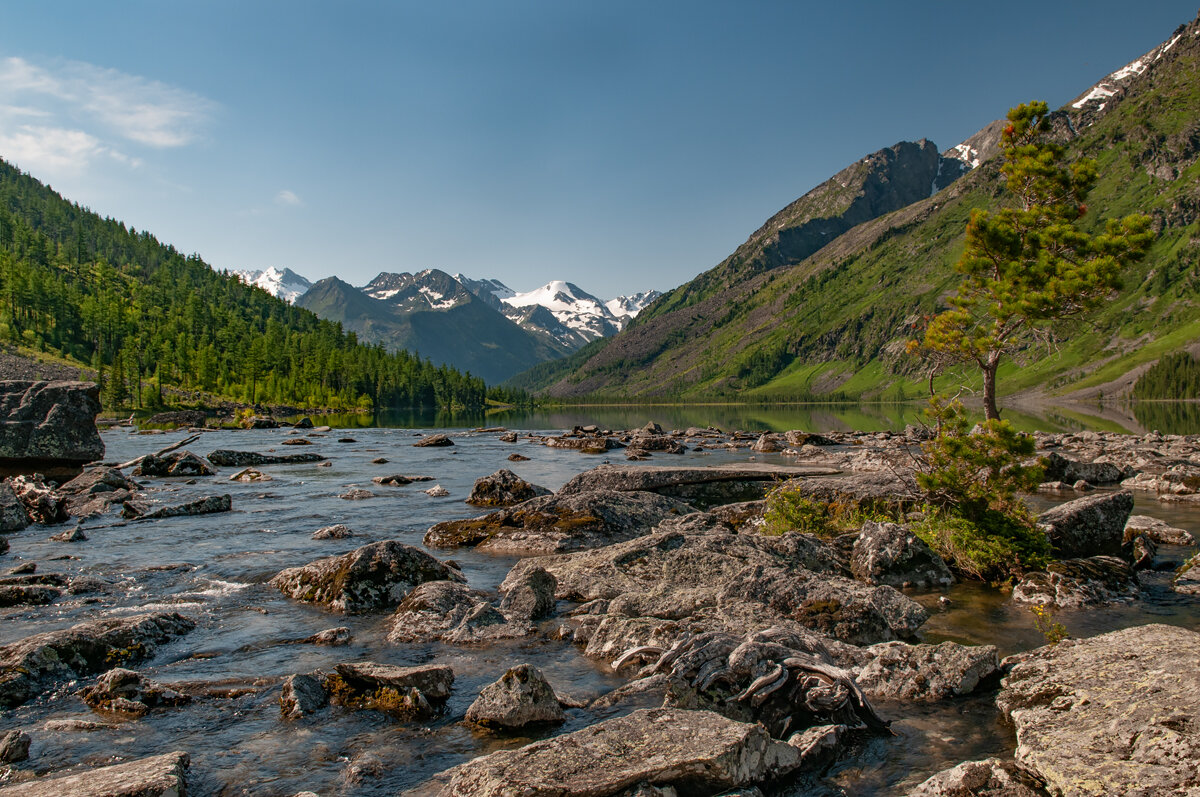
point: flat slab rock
(699, 486)
(1113, 714)
(697, 752)
(158, 776)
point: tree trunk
(989, 388)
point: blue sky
(618, 145)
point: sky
(618, 145)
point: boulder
(301, 696)
(899, 671)
(127, 692)
(448, 611)
(240, 459)
(1158, 530)
(399, 480)
(176, 464)
(989, 778)
(437, 491)
(73, 534)
(1074, 583)
(531, 596)
(1113, 714)
(588, 444)
(158, 776)
(696, 752)
(332, 637)
(1187, 578)
(1060, 468)
(337, 531)
(372, 578)
(384, 687)
(521, 697)
(43, 504)
(888, 553)
(96, 490)
(559, 523)
(1180, 479)
(13, 516)
(699, 486)
(48, 428)
(35, 663)
(208, 505)
(1089, 526)
(14, 747)
(24, 595)
(434, 441)
(881, 489)
(503, 488)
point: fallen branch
(159, 453)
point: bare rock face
(989, 778)
(158, 776)
(503, 488)
(559, 523)
(1090, 526)
(37, 662)
(696, 752)
(1113, 714)
(48, 428)
(887, 553)
(521, 697)
(129, 693)
(899, 671)
(1073, 583)
(372, 578)
(701, 487)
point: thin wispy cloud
(84, 112)
(288, 199)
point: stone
(698, 752)
(399, 480)
(297, 441)
(874, 490)
(42, 503)
(531, 596)
(338, 531)
(1180, 479)
(1089, 526)
(434, 441)
(1074, 583)
(521, 697)
(1060, 468)
(13, 516)
(1187, 577)
(450, 612)
(158, 776)
(517, 458)
(988, 778)
(588, 444)
(21, 595)
(384, 687)
(559, 523)
(767, 443)
(30, 665)
(127, 692)
(503, 488)
(1113, 714)
(176, 464)
(1158, 530)
(240, 459)
(899, 671)
(208, 505)
(301, 696)
(14, 747)
(357, 494)
(48, 428)
(372, 578)
(332, 637)
(888, 553)
(699, 486)
(437, 491)
(73, 534)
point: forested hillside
(147, 319)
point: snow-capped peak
(572, 306)
(281, 283)
(627, 307)
(1097, 97)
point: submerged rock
(32, 664)
(208, 505)
(48, 428)
(158, 776)
(503, 488)
(372, 578)
(1073, 583)
(887, 553)
(1091, 526)
(699, 752)
(1113, 714)
(521, 697)
(559, 523)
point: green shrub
(997, 546)
(790, 510)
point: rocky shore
(739, 661)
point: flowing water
(214, 569)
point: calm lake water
(214, 569)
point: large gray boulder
(699, 486)
(530, 597)
(35, 663)
(696, 752)
(521, 697)
(1090, 526)
(503, 488)
(372, 578)
(158, 776)
(451, 612)
(899, 671)
(1063, 469)
(97, 489)
(888, 553)
(1113, 714)
(559, 523)
(48, 428)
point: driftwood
(159, 453)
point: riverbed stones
(372, 578)
(48, 428)
(1089, 526)
(1158, 530)
(695, 752)
(988, 778)
(302, 695)
(521, 697)
(889, 553)
(158, 776)
(32, 664)
(701, 487)
(14, 747)
(96, 490)
(451, 612)
(530, 596)
(226, 458)
(1113, 714)
(338, 531)
(1178, 479)
(174, 464)
(1075, 583)
(503, 488)
(434, 441)
(559, 523)
(129, 693)
(899, 671)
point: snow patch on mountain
(625, 308)
(281, 283)
(1097, 97)
(572, 306)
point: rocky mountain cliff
(820, 300)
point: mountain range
(820, 301)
